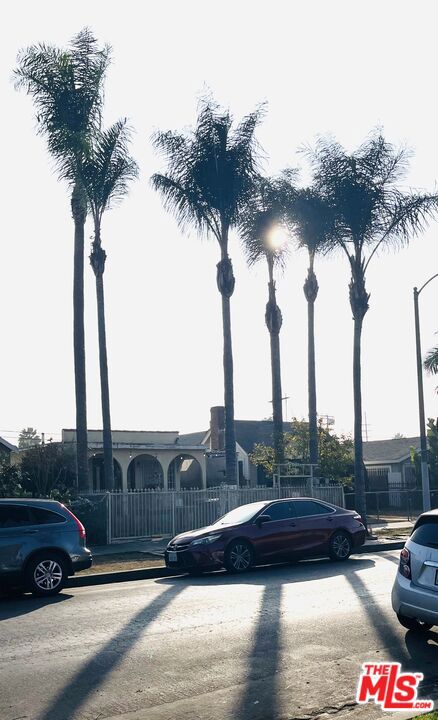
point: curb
(163, 572)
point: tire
(413, 623)
(239, 556)
(46, 574)
(340, 546)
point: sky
(337, 67)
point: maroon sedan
(268, 532)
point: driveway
(283, 642)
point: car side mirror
(262, 519)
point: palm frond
(67, 90)
(363, 190)
(210, 170)
(431, 361)
(312, 220)
(264, 213)
(108, 167)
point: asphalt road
(283, 642)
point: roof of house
(195, 438)
(248, 434)
(7, 445)
(255, 432)
(389, 451)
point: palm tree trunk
(311, 292)
(273, 321)
(225, 282)
(359, 305)
(97, 260)
(79, 213)
(359, 476)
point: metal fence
(386, 506)
(144, 513)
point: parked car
(268, 532)
(415, 589)
(41, 544)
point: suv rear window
(44, 517)
(426, 532)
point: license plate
(172, 556)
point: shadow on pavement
(287, 573)
(96, 670)
(11, 607)
(260, 691)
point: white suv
(415, 590)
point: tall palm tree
(105, 176)
(372, 211)
(210, 175)
(67, 89)
(263, 236)
(311, 220)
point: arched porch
(184, 473)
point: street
(281, 642)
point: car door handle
(292, 524)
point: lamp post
(423, 439)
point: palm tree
(311, 221)
(371, 212)
(105, 175)
(431, 362)
(67, 89)
(210, 174)
(261, 231)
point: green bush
(94, 517)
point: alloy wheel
(47, 575)
(341, 546)
(240, 557)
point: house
(389, 464)
(248, 433)
(6, 449)
(145, 460)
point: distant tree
(48, 470)
(336, 452)
(210, 176)
(373, 211)
(264, 237)
(10, 480)
(28, 438)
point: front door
(315, 524)
(272, 540)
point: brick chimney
(217, 428)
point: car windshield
(240, 514)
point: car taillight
(404, 567)
(79, 525)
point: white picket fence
(144, 513)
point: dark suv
(41, 544)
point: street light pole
(423, 438)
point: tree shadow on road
(284, 574)
(95, 671)
(259, 697)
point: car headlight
(206, 540)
